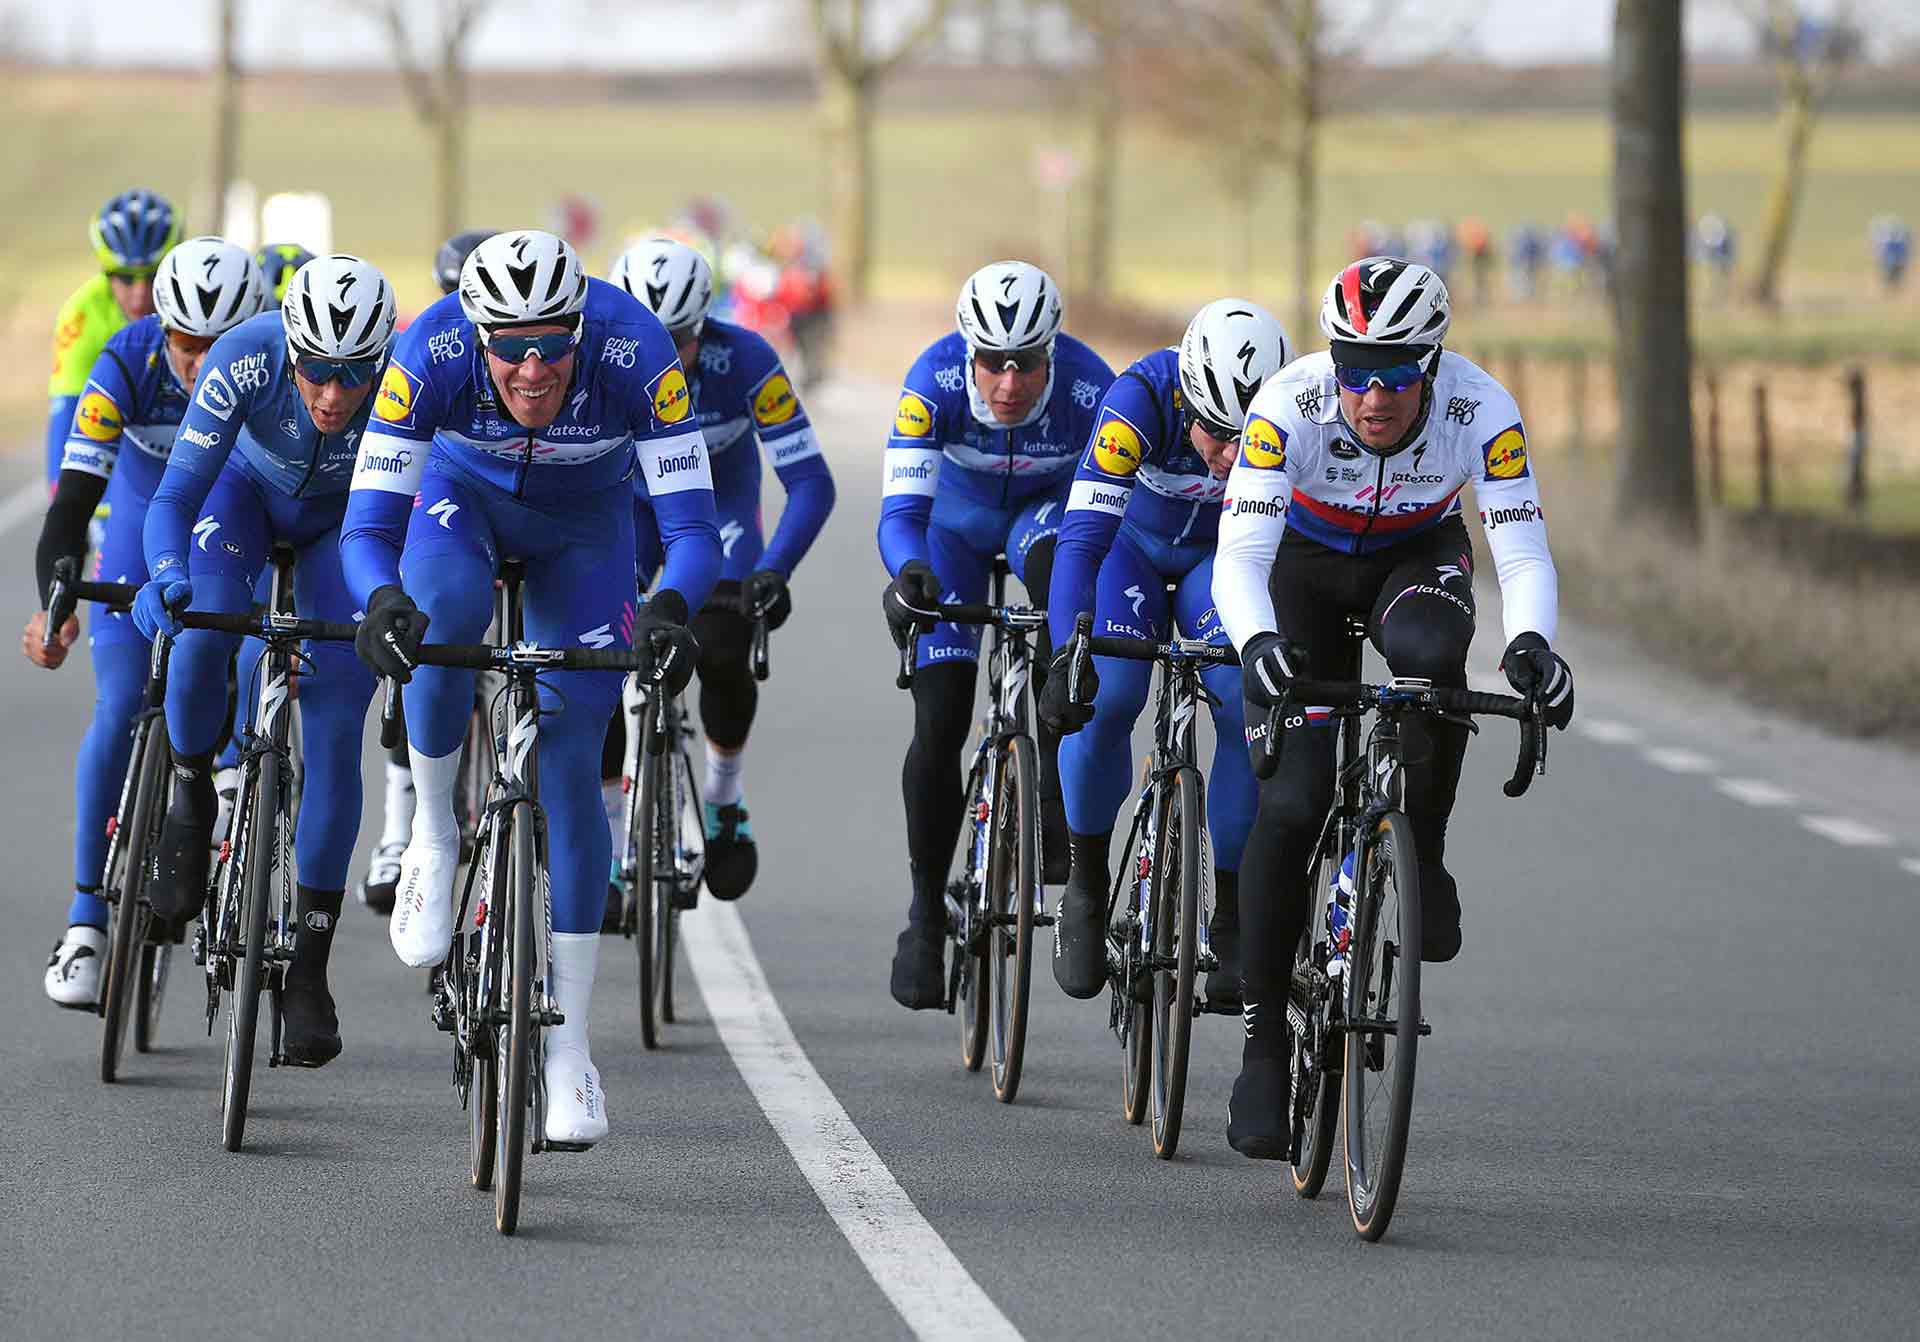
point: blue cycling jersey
(628, 399)
(246, 408)
(741, 393)
(1140, 467)
(946, 452)
(132, 399)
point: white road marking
(1607, 731)
(1678, 761)
(1910, 865)
(30, 500)
(1849, 833)
(930, 1287)
(1755, 792)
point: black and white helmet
(1230, 348)
(521, 278)
(672, 279)
(1009, 305)
(339, 307)
(1384, 300)
(202, 289)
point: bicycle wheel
(672, 787)
(647, 911)
(243, 1004)
(150, 988)
(1132, 1018)
(1013, 882)
(972, 995)
(126, 887)
(1176, 941)
(515, 1047)
(1315, 1066)
(481, 999)
(1383, 1022)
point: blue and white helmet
(522, 278)
(1230, 348)
(672, 279)
(339, 307)
(1009, 305)
(133, 231)
(206, 286)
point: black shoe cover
(919, 969)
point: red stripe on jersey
(1350, 286)
(1351, 519)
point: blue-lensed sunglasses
(1397, 378)
(551, 348)
(351, 372)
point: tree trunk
(846, 108)
(1306, 172)
(1654, 354)
(1783, 199)
(226, 117)
(1103, 171)
(450, 135)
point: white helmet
(1009, 305)
(202, 289)
(521, 278)
(1383, 300)
(339, 307)
(672, 279)
(1230, 348)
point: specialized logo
(98, 418)
(1046, 511)
(775, 403)
(1507, 455)
(442, 512)
(913, 417)
(395, 399)
(730, 532)
(1138, 598)
(601, 637)
(1494, 518)
(672, 402)
(215, 394)
(199, 439)
(1263, 445)
(203, 530)
(1117, 449)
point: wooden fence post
(1763, 447)
(1715, 481)
(1517, 381)
(1857, 442)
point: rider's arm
(59, 421)
(672, 454)
(73, 338)
(788, 439)
(386, 472)
(1096, 502)
(1252, 520)
(213, 423)
(1510, 513)
(911, 469)
(86, 464)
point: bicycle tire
(1176, 941)
(483, 1093)
(516, 1044)
(155, 959)
(243, 1004)
(647, 911)
(1135, 1019)
(973, 995)
(1013, 875)
(126, 877)
(1383, 981)
(666, 902)
(1320, 1119)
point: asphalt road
(1670, 1090)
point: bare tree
(437, 90)
(226, 112)
(852, 65)
(1654, 351)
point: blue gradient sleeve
(690, 533)
(810, 497)
(170, 517)
(911, 471)
(1085, 537)
(371, 536)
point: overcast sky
(610, 34)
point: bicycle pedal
(1043, 920)
(546, 1145)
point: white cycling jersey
(1301, 467)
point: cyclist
(985, 436)
(383, 869)
(508, 423)
(135, 396)
(740, 393)
(278, 261)
(1169, 424)
(265, 454)
(130, 235)
(1346, 502)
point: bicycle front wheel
(675, 782)
(647, 911)
(481, 998)
(151, 987)
(972, 995)
(126, 887)
(515, 1047)
(1383, 1022)
(1013, 885)
(1134, 1018)
(243, 1004)
(1315, 1070)
(1176, 939)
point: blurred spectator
(1366, 238)
(1526, 252)
(1430, 242)
(1892, 243)
(1573, 249)
(1476, 244)
(1714, 243)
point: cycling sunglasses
(1020, 360)
(351, 372)
(1397, 378)
(138, 275)
(514, 349)
(1220, 433)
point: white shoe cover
(73, 970)
(576, 1105)
(422, 925)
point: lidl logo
(913, 418)
(395, 401)
(671, 400)
(1507, 455)
(1263, 445)
(1117, 449)
(776, 402)
(98, 417)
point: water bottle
(1340, 918)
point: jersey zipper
(526, 469)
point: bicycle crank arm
(1373, 1025)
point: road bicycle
(997, 900)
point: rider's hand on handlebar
(1537, 672)
(660, 629)
(159, 604)
(388, 639)
(914, 588)
(1059, 707)
(767, 589)
(1269, 664)
(42, 652)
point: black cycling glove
(768, 590)
(1061, 710)
(660, 632)
(388, 639)
(1538, 672)
(1267, 665)
(914, 588)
